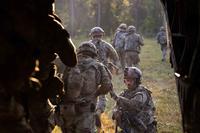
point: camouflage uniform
(79, 105)
(29, 32)
(38, 105)
(162, 40)
(104, 49)
(100, 108)
(133, 43)
(118, 43)
(134, 111)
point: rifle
(135, 122)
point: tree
(80, 16)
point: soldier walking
(118, 43)
(162, 40)
(133, 43)
(105, 51)
(134, 110)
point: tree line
(80, 16)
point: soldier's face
(96, 38)
(129, 83)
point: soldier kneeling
(134, 111)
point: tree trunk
(98, 12)
(72, 17)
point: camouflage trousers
(132, 58)
(82, 123)
(164, 51)
(151, 128)
(121, 55)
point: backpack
(119, 42)
(81, 80)
(132, 43)
(163, 39)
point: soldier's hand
(113, 95)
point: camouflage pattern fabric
(101, 103)
(84, 123)
(38, 106)
(135, 110)
(118, 44)
(162, 40)
(105, 51)
(82, 106)
(100, 108)
(133, 43)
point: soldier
(118, 43)
(105, 50)
(29, 32)
(134, 110)
(83, 85)
(133, 43)
(162, 40)
(39, 97)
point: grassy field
(159, 78)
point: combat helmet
(133, 73)
(162, 28)
(87, 47)
(131, 29)
(122, 27)
(96, 31)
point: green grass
(159, 78)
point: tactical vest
(162, 38)
(143, 117)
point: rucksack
(81, 79)
(163, 39)
(119, 42)
(132, 43)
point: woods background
(80, 16)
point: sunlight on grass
(159, 78)
(57, 130)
